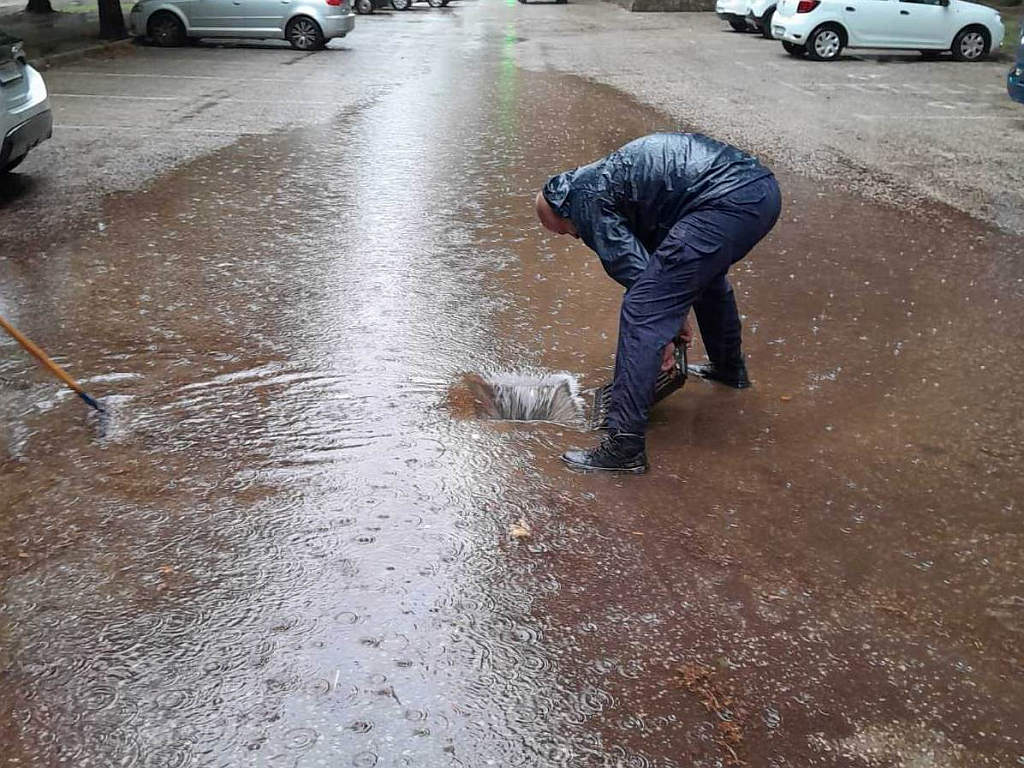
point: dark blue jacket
(623, 205)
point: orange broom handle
(47, 363)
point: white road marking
(229, 78)
(186, 98)
(797, 88)
(155, 129)
(911, 118)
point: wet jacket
(624, 204)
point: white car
(735, 12)
(25, 117)
(821, 29)
(760, 15)
(307, 24)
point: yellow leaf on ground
(520, 529)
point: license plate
(9, 73)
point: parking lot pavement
(123, 118)
(891, 125)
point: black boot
(618, 452)
(734, 376)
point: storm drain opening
(518, 397)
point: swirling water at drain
(522, 397)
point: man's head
(551, 221)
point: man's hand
(686, 331)
(668, 355)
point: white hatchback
(821, 29)
(25, 117)
(735, 13)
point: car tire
(165, 30)
(737, 25)
(826, 42)
(13, 164)
(766, 24)
(304, 34)
(363, 7)
(401, 5)
(972, 44)
(794, 50)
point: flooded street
(292, 545)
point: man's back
(653, 181)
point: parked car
(735, 13)
(306, 24)
(25, 116)
(760, 16)
(362, 7)
(821, 29)
(1015, 80)
(405, 5)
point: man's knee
(643, 322)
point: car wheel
(766, 24)
(434, 3)
(971, 44)
(14, 164)
(401, 5)
(166, 30)
(363, 7)
(737, 25)
(826, 43)
(304, 34)
(794, 50)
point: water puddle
(282, 548)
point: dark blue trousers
(688, 270)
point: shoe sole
(586, 469)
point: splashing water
(518, 397)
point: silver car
(306, 24)
(25, 117)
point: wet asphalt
(288, 545)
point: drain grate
(517, 397)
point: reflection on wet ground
(285, 551)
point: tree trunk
(111, 20)
(38, 6)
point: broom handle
(41, 356)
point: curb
(45, 62)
